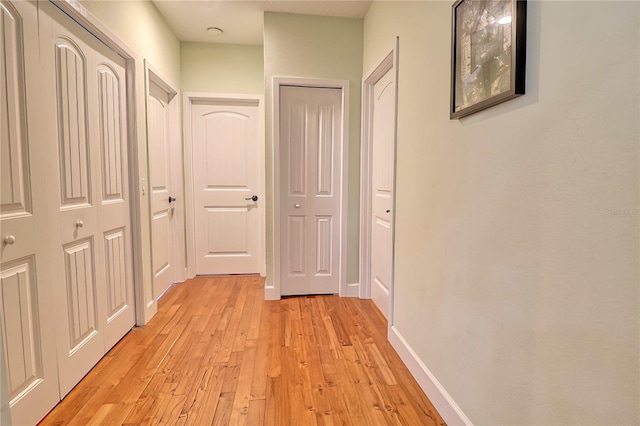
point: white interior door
(383, 176)
(162, 118)
(310, 149)
(26, 313)
(84, 88)
(227, 187)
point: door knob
(172, 199)
(297, 206)
(252, 198)
(388, 211)
(79, 224)
(9, 240)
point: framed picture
(488, 44)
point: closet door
(26, 313)
(110, 130)
(91, 242)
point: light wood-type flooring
(217, 353)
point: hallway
(217, 353)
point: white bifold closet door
(66, 294)
(84, 83)
(26, 312)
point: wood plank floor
(217, 353)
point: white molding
(389, 62)
(439, 397)
(273, 291)
(189, 99)
(353, 290)
(82, 16)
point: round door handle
(253, 198)
(388, 211)
(297, 206)
(172, 199)
(79, 224)
(9, 240)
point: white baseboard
(270, 293)
(441, 400)
(353, 290)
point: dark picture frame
(488, 49)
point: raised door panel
(111, 135)
(227, 232)
(296, 152)
(325, 155)
(117, 281)
(158, 157)
(297, 246)
(81, 293)
(15, 191)
(324, 246)
(226, 144)
(21, 332)
(73, 131)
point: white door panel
(159, 116)
(85, 84)
(25, 293)
(226, 167)
(383, 163)
(310, 147)
(114, 224)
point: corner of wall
(439, 397)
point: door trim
(390, 62)
(272, 290)
(189, 99)
(142, 272)
(178, 257)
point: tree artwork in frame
(488, 44)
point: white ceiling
(242, 20)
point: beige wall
(515, 284)
(139, 25)
(222, 68)
(317, 47)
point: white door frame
(273, 291)
(178, 257)
(189, 99)
(144, 303)
(389, 62)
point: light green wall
(141, 27)
(222, 68)
(514, 283)
(316, 47)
